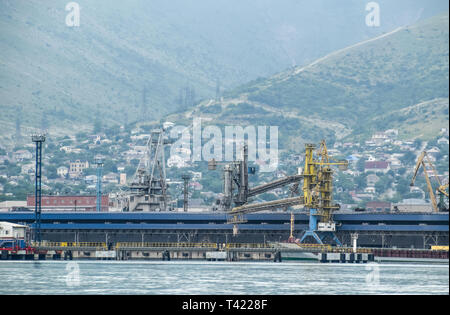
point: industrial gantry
(148, 189)
(317, 194)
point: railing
(213, 246)
(69, 244)
(440, 248)
(316, 246)
(165, 245)
(250, 246)
(350, 250)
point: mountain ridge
(394, 71)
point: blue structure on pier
(217, 221)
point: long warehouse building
(374, 229)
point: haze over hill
(397, 80)
(57, 77)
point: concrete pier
(274, 252)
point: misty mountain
(140, 60)
(396, 80)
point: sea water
(219, 278)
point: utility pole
(186, 179)
(38, 139)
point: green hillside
(424, 120)
(65, 79)
(358, 90)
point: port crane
(318, 192)
(317, 195)
(148, 188)
(425, 162)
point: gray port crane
(148, 188)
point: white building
(372, 179)
(177, 161)
(168, 124)
(370, 190)
(392, 133)
(111, 178)
(76, 168)
(395, 163)
(66, 149)
(62, 171)
(90, 179)
(123, 179)
(10, 204)
(11, 230)
(434, 152)
(22, 155)
(196, 176)
(443, 141)
(413, 205)
(27, 169)
(140, 137)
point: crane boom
(416, 169)
(423, 160)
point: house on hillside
(90, 179)
(443, 141)
(377, 166)
(372, 179)
(380, 138)
(76, 168)
(395, 163)
(22, 155)
(111, 178)
(391, 133)
(378, 206)
(62, 171)
(434, 152)
(3, 159)
(196, 186)
(28, 169)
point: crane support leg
(319, 236)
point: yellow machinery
(317, 195)
(318, 192)
(318, 181)
(423, 162)
(439, 248)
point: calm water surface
(219, 278)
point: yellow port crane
(318, 192)
(317, 181)
(423, 161)
(317, 195)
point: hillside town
(378, 177)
